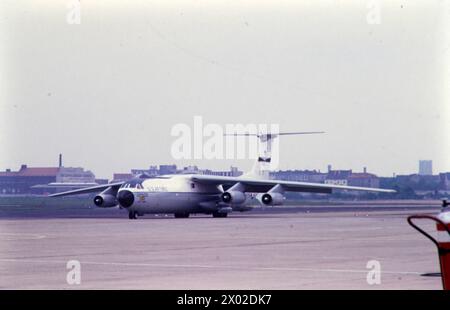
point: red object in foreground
(442, 241)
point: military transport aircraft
(185, 194)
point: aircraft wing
(92, 189)
(262, 186)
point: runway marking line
(21, 236)
(252, 268)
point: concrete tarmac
(260, 250)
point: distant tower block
(425, 167)
(329, 168)
(60, 160)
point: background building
(121, 177)
(172, 169)
(233, 172)
(425, 167)
(363, 180)
(20, 182)
(314, 176)
(74, 175)
(44, 180)
(335, 177)
(338, 177)
(444, 179)
(167, 169)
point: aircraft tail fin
(261, 167)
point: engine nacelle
(272, 199)
(234, 197)
(105, 201)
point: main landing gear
(132, 215)
(219, 214)
(181, 215)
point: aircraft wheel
(219, 214)
(132, 215)
(181, 215)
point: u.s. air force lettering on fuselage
(157, 188)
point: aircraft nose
(125, 198)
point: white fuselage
(172, 193)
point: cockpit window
(132, 184)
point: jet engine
(234, 197)
(271, 199)
(105, 201)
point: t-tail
(262, 165)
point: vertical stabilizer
(261, 167)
